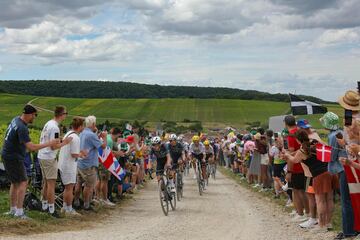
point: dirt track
(225, 211)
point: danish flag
(323, 152)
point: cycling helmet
(155, 140)
(195, 138)
(206, 143)
(172, 137)
(180, 138)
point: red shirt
(292, 143)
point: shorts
(68, 177)
(298, 181)
(87, 176)
(199, 157)
(160, 167)
(175, 164)
(325, 183)
(49, 169)
(265, 159)
(15, 170)
(279, 170)
(104, 174)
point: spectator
(17, 140)
(68, 166)
(295, 175)
(87, 166)
(323, 182)
(47, 158)
(350, 136)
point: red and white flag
(323, 152)
(353, 178)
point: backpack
(32, 202)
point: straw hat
(350, 100)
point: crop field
(211, 112)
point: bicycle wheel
(163, 197)
(179, 186)
(172, 199)
(213, 170)
(199, 181)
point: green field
(211, 112)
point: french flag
(107, 158)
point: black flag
(302, 107)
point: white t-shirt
(48, 134)
(67, 163)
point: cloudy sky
(309, 47)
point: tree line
(99, 89)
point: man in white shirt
(47, 157)
(68, 166)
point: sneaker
(108, 203)
(23, 217)
(194, 177)
(9, 213)
(72, 213)
(285, 187)
(289, 203)
(341, 235)
(256, 185)
(55, 214)
(62, 210)
(299, 218)
(309, 223)
(262, 190)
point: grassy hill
(211, 112)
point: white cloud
(1, 68)
(49, 41)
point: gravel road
(225, 211)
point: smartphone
(56, 135)
(104, 128)
(286, 145)
(359, 86)
(348, 117)
(276, 135)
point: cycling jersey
(197, 150)
(175, 151)
(209, 150)
(161, 158)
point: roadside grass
(269, 196)
(43, 223)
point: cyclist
(209, 152)
(177, 154)
(197, 152)
(163, 159)
(176, 151)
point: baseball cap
(130, 139)
(303, 123)
(29, 109)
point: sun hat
(257, 136)
(330, 121)
(303, 123)
(350, 100)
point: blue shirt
(17, 135)
(89, 142)
(334, 165)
